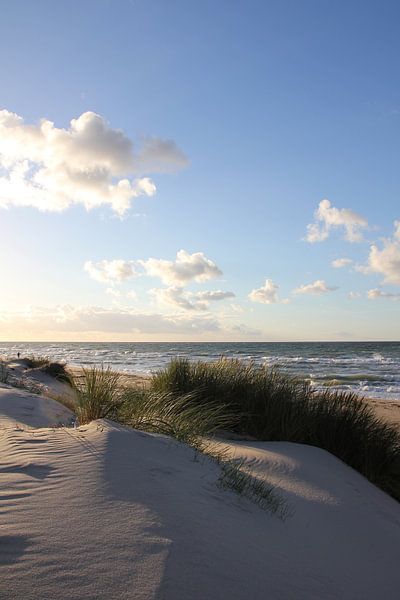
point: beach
(105, 511)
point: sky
(199, 171)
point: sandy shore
(105, 512)
(84, 518)
(387, 410)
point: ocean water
(371, 369)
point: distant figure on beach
(18, 354)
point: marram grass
(97, 392)
(269, 405)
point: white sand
(104, 512)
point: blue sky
(244, 117)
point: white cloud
(317, 287)
(160, 156)
(376, 293)
(267, 294)
(89, 163)
(386, 260)
(328, 217)
(110, 271)
(132, 295)
(339, 263)
(176, 297)
(200, 301)
(354, 295)
(213, 296)
(187, 267)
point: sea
(370, 369)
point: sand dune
(105, 512)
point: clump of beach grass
(236, 477)
(33, 362)
(57, 370)
(101, 393)
(98, 393)
(273, 406)
(184, 417)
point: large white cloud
(267, 294)
(316, 288)
(110, 271)
(186, 268)
(89, 163)
(385, 260)
(328, 217)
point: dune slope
(104, 512)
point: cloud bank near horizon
(122, 320)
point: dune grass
(189, 419)
(58, 371)
(46, 365)
(236, 477)
(33, 362)
(269, 405)
(98, 393)
(185, 417)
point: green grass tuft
(269, 405)
(184, 417)
(236, 477)
(98, 393)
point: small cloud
(328, 217)
(376, 294)
(110, 271)
(318, 287)
(242, 329)
(339, 263)
(176, 297)
(267, 294)
(354, 295)
(187, 267)
(200, 301)
(132, 295)
(214, 296)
